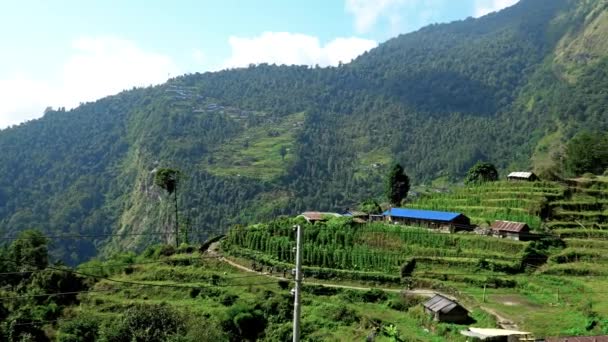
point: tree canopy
(481, 172)
(397, 185)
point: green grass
(339, 316)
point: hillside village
(539, 204)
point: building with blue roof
(442, 220)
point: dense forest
(513, 88)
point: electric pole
(298, 276)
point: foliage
(481, 172)
(370, 206)
(587, 152)
(271, 140)
(84, 329)
(148, 323)
(397, 185)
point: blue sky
(63, 52)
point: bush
(166, 250)
(244, 323)
(82, 329)
(228, 299)
(149, 323)
(343, 314)
(404, 302)
(374, 296)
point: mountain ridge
(272, 140)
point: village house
(446, 310)
(444, 221)
(510, 230)
(358, 216)
(522, 176)
(317, 216)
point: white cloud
(367, 12)
(294, 48)
(418, 13)
(483, 7)
(22, 99)
(97, 67)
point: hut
(445, 221)
(522, 176)
(358, 216)
(317, 216)
(446, 310)
(510, 230)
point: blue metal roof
(421, 214)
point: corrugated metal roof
(508, 226)
(422, 214)
(355, 213)
(440, 303)
(317, 215)
(520, 175)
(603, 338)
(484, 333)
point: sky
(65, 52)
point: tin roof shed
(422, 214)
(511, 227)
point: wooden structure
(446, 310)
(510, 230)
(444, 221)
(522, 176)
(358, 216)
(317, 216)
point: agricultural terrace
(377, 251)
(581, 221)
(484, 203)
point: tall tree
(397, 185)
(168, 179)
(481, 172)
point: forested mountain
(511, 88)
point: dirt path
(502, 321)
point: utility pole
(298, 276)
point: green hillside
(270, 140)
(188, 295)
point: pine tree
(397, 185)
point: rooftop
(508, 226)
(440, 303)
(422, 214)
(520, 175)
(317, 215)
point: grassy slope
(336, 317)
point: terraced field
(511, 201)
(581, 221)
(379, 251)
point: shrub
(343, 314)
(374, 296)
(149, 323)
(166, 250)
(228, 299)
(194, 292)
(82, 329)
